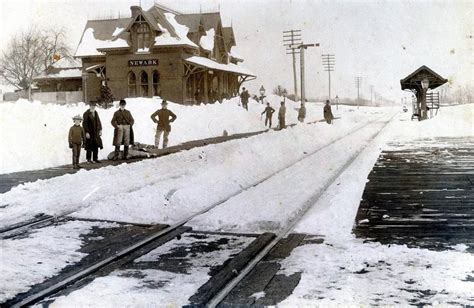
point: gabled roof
(100, 34)
(229, 37)
(65, 68)
(208, 20)
(413, 81)
(191, 21)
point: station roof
(413, 81)
(213, 65)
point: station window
(143, 35)
(132, 84)
(143, 84)
(156, 83)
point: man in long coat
(282, 115)
(244, 97)
(328, 113)
(122, 121)
(165, 117)
(93, 129)
(302, 113)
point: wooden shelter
(413, 83)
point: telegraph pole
(358, 83)
(302, 48)
(328, 62)
(290, 39)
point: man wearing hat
(76, 139)
(93, 129)
(328, 116)
(165, 117)
(122, 122)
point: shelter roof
(413, 81)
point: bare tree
(279, 90)
(29, 53)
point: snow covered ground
(42, 254)
(175, 287)
(341, 271)
(33, 135)
(168, 189)
(344, 271)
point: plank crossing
(421, 194)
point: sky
(380, 41)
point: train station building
(184, 58)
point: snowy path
(283, 197)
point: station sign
(148, 62)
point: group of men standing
(89, 135)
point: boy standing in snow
(165, 117)
(122, 121)
(76, 140)
(281, 115)
(268, 115)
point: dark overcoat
(93, 126)
(328, 116)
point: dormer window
(142, 33)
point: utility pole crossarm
(291, 38)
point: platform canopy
(413, 81)
(213, 65)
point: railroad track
(172, 231)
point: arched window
(143, 84)
(132, 84)
(156, 83)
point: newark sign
(149, 62)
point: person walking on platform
(244, 97)
(122, 121)
(328, 116)
(268, 115)
(76, 139)
(281, 116)
(165, 117)
(93, 129)
(302, 113)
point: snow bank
(34, 135)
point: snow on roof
(64, 73)
(67, 62)
(90, 45)
(166, 39)
(117, 31)
(98, 34)
(235, 55)
(233, 68)
(207, 41)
